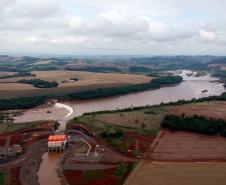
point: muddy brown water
(48, 170)
(191, 87)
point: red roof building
(57, 142)
(55, 138)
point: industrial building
(57, 142)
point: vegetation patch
(99, 69)
(198, 124)
(139, 69)
(74, 79)
(6, 128)
(19, 74)
(121, 170)
(164, 80)
(1, 178)
(114, 91)
(39, 83)
(21, 103)
(219, 73)
(112, 133)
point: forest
(165, 80)
(21, 103)
(197, 124)
(113, 91)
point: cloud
(113, 27)
(38, 8)
(207, 35)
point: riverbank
(30, 102)
(29, 170)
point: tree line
(167, 80)
(99, 69)
(21, 103)
(39, 83)
(114, 91)
(19, 74)
(197, 124)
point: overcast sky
(122, 27)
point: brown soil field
(156, 173)
(184, 146)
(216, 110)
(6, 73)
(53, 91)
(15, 86)
(88, 80)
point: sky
(113, 27)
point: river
(191, 87)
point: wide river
(191, 87)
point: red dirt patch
(138, 142)
(83, 178)
(15, 172)
(2, 141)
(96, 177)
(16, 140)
(183, 146)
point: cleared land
(216, 110)
(87, 81)
(6, 73)
(178, 173)
(15, 86)
(86, 78)
(183, 146)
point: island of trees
(39, 83)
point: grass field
(147, 118)
(155, 173)
(8, 128)
(140, 121)
(216, 110)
